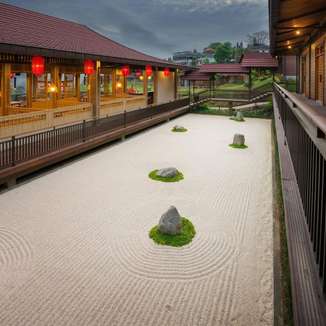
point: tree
(258, 38)
(223, 52)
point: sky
(161, 27)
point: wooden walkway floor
(309, 305)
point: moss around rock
(153, 175)
(184, 237)
(179, 129)
(238, 146)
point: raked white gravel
(74, 245)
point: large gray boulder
(238, 140)
(167, 172)
(170, 222)
(239, 116)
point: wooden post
(145, 86)
(29, 90)
(310, 65)
(56, 82)
(176, 83)
(250, 83)
(5, 82)
(114, 82)
(77, 86)
(156, 72)
(94, 82)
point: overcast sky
(160, 27)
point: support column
(250, 83)
(145, 85)
(94, 82)
(155, 85)
(297, 62)
(56, 83)
(310, 65)
(77, 86)
(176, 78)
(5, 82)
(114, 82)
(29, 90)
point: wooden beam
(5, 84)
(306, 14)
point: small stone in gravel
(239, 116)
(167, 172)
(238, 140)
(170, 222)
(178, 128)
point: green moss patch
(187, 233)
(154, 176)
(179, 129)
(237, 120)
(238, 146)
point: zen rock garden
(238, 141)
(178, 128)
(172, 229)
(169, 174)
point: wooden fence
(307, 149)
(25, 148)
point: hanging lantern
(148, 70)
(89, 67)
(138, 73)
(166, 72)
(38, 65)
(125, 70)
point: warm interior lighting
(119, 84)
(149, 77)
(141, 77)
(38, 65)
(52, 89)
(298, 32)
(290, 47)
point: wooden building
(56, 72)
(298, 28)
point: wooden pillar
(56, 83)
(77, 86)
(155, 85)
(5, 91)
(94, 82)
(145, 86)
(250, 83)
(29, 90)
(297, 63)
(176, 77)
(189, 89)
(114, 82)
(310, 65)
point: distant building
(187, 58)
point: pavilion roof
(224, 68)
(196, 75)
(258, 60)
(38, 32)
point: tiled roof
(226, 68)
(27, 28)
(196, 75)
(258, 60)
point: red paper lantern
(138, 73)
(125, 70)
(166, 72)
(89, 67)
(149, 70)
(38, 65)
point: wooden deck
(309, 306)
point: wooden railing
(25, 148)
(21, 123)
(305, 136)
